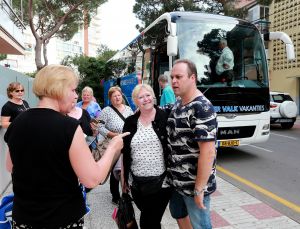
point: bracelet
(197, 193)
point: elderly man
(167, 96)
(224, 67)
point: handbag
(98, 147)
(147, 185)
(124, 215)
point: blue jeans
(182, 206)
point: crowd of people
(159, 154)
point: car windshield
(244, 64)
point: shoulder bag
(125, 217)
(118, 112)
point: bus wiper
(230, 93)
(205, 91)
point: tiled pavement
(231, 208)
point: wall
(7, 76)
(284, 75)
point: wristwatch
(197, 193)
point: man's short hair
(163, 78)
(190, 65)
(223, 41)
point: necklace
(25, 108)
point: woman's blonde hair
(52, 80)
(113, 90)
(88, 89)
(137, 90)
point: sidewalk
(231, 208)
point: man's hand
(225, 66)
(199, 200)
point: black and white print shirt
(112, 120)
(187, 125)
(146, 152)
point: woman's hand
(94, 127)
(112, 134)
(116, 142)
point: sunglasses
(19, 91)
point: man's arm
(205, 163)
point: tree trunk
(38, 54)
(46, 42)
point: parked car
(283, 109)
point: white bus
(243, 103)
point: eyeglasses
(19, 90)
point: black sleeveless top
(12, 110)
(47, 192)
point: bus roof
(191, 15)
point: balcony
(11, 30)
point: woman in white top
(112, 126)
(144, 158)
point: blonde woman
(113, 126)
(88, 102)
(16, 104)
(48, 156)
(144, 157)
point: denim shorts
(182, 206)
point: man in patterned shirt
(192, 130)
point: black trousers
(152, 207)
(114, 186)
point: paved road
(273, 165)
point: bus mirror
(172, 45)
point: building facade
(284, 75)
(86, 41)
(11, 30)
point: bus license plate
(228, 143)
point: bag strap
(118, 112)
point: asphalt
(231, 208)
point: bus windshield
(242, 66)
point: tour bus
(242, 103)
